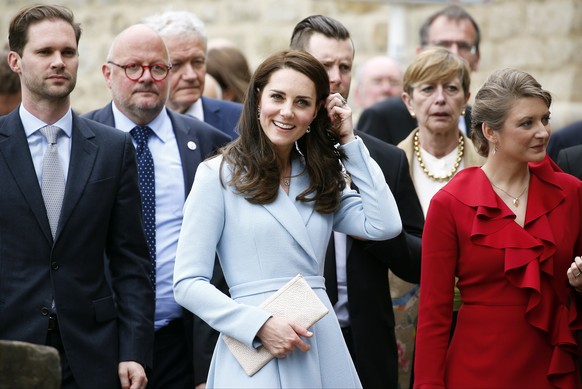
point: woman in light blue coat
(267, 205)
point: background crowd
(154, 106)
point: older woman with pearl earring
(436, 91)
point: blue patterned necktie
(53, 179)
(147, 188)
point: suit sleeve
(402, 254)
(439, 260)
(130, 266)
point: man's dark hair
(18, 31)
(452, 12)
(325, 25)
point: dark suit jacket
(570, 160)
(221, 114)
(568, 136)
(207, 140)
(390, 121)
(369, 301)
(100, 216)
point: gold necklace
(514, 200)
(446, 178)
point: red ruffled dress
(515, 327)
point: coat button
(54, 265)
(45, 311)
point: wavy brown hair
(252, 157)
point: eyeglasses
(134, 71)
(463, 47)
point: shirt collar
(32, 124)
(196, 110)
(161, 125)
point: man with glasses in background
(452, 28)
(169, 147)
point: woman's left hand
(575, 274)
(340, 115)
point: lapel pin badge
(192, 145)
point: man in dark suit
(186, 40)
(69, 199)
(137, 71)
(452, 28)
(356, 272)
(569, 136)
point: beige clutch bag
(295, 301)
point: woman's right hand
(280, 337)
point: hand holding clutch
(295, 301)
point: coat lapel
(83, 155)
(294, 215)
(16, 153)
(188, 147)
(212, 114)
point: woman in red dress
(510, 231)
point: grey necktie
(53, 179)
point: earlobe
(407, 100)
(488, 133)
(106, 73)
(14, 61)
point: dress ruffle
(529, 260)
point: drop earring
(308, 129)
(258, 113)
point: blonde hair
(436, 64)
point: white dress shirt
(170, 197)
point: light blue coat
(261, 247)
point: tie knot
(51, 133)
(141, 134)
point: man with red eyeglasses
(169, 147)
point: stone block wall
(543, 37)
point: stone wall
(543, 37)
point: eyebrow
(283, 93)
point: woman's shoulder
(458, 187)
(210, 169)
